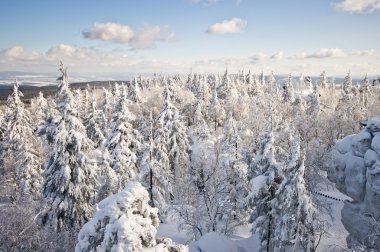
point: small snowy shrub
(123, 222)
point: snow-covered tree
(200, 126)
(18, 147)
(38, 108)
(107, 178)
(216, 111)
(265, 174)
(92, 124)
(122, 222)
(283, 213)
(179, 153)
(288, 91)
(224, 86)
(293, 211)
(322, 82)
(134, 91)
(123, 142)
(70, 173)
(347, 84)
(106, 108)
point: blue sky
(284, 36)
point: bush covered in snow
(123, 222)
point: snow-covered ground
(243, 240)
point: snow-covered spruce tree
(134, 91)
(224, 86)
(161, 138)
(122, 222)
(236, 169)
(322, 82)
(288, 91)
(106, 108)
(70, 174)
(347, 84)
(38, 109)
(314, 105)
(200, 126)
(92, 124)
(266, 175)
(365, 91)
(155, 172)
(179, 154)
(293, 211)
(107, 178)
(216, 111)
(123, 142)
(18, 147)
(283, 213)
(272, 85)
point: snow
(257, 184)
(213, 242)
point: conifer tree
(123, 143)
(179, 153)
(70, 174)
(91, 123)
(293, 210)
(288, 91)
(18, 147)
(347, 84)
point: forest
(100, 169)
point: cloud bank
(143, 38)
(359, 6)
(234, 25)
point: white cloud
(359, 5)
(61, 50)
(234, 25)
(277, 56)
(100, 62)
(325, 53)
(260, 57)
(13, 51)
(112, 32)
(205, 2)
(145, 37)
(369, 52)
(322, 53)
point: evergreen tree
(18, 147)
(288, 91)
(134, 91)
(123, 143)
(106, 108)
(216, 111)
(224, 86)
(91, 123)
(266, 176)
(322, 80)
(179, 153)
(200, 126)
(38, 108)
(347, 84)
(293, 210)
(70, 175)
